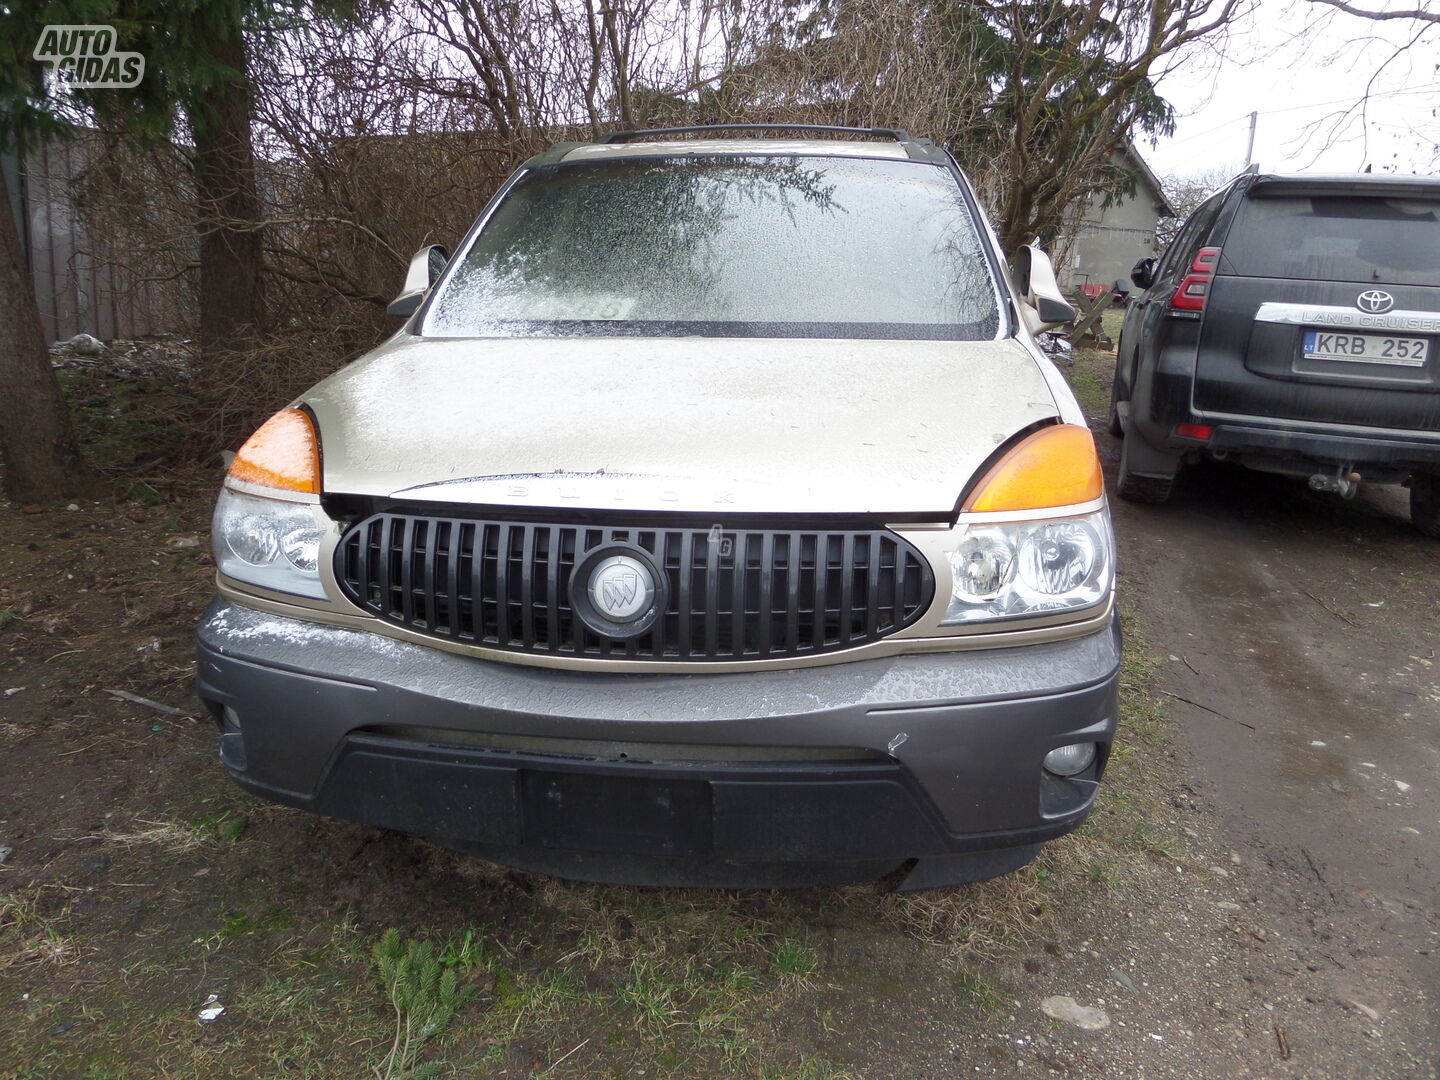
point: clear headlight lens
(1023, 568)
(272, 543)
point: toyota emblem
(1375, 301)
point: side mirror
(426, 266)
(1143, 273)
(1042, 305)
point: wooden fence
(84, 285)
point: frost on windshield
(710, 245)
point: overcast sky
(1301, 67)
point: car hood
(748, 425)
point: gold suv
(712, 520)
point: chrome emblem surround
(621, 589)
(1375, 301)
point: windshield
(1338, 238)
(725, 246)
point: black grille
(727, 594)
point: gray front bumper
(966, 731)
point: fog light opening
(1070, 760)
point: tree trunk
(231, 304)
(42, 462)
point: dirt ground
(1255, 897)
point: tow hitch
(1343, 483)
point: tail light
(1194, 288)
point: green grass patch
(982, 993)
(1092, 390)
(793, 960)
(222, 825)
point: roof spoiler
(1373, 185)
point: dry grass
(29, 937)
(170, 836)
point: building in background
(1112, 238)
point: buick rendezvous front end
(714, 520)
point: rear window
(726, 246)
(1337, 238)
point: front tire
(1133, 487)
(1425, 504)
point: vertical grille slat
(739, 552)
(477, 591)
(552, 591)
(712, 592)
(793, 545)
(751, 593)
(661, 646)
(406, 559)
(364, 537)
(873, 563)
(684, 604)
(847, 587)
(431, 598)
(897, 596)
(527, 585)
(456, 623)
(504, 626)
(766, 606)
(387, 598)
(817, 602)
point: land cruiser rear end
(1292, 326)
(713, 520)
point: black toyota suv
(1293, 326)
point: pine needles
(425, 995)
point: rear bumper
(771, 777)
(1325, 445)
(1166, 396)
(1305, 447)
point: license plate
(1365, 348)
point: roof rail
(640, 133)
(915, 149)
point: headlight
(273, 543)
(1017, 569)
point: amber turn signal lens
(284, 453)
(1056, 466)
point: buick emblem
(621, 589)
(1375, 301)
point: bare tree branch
(1417, 14)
